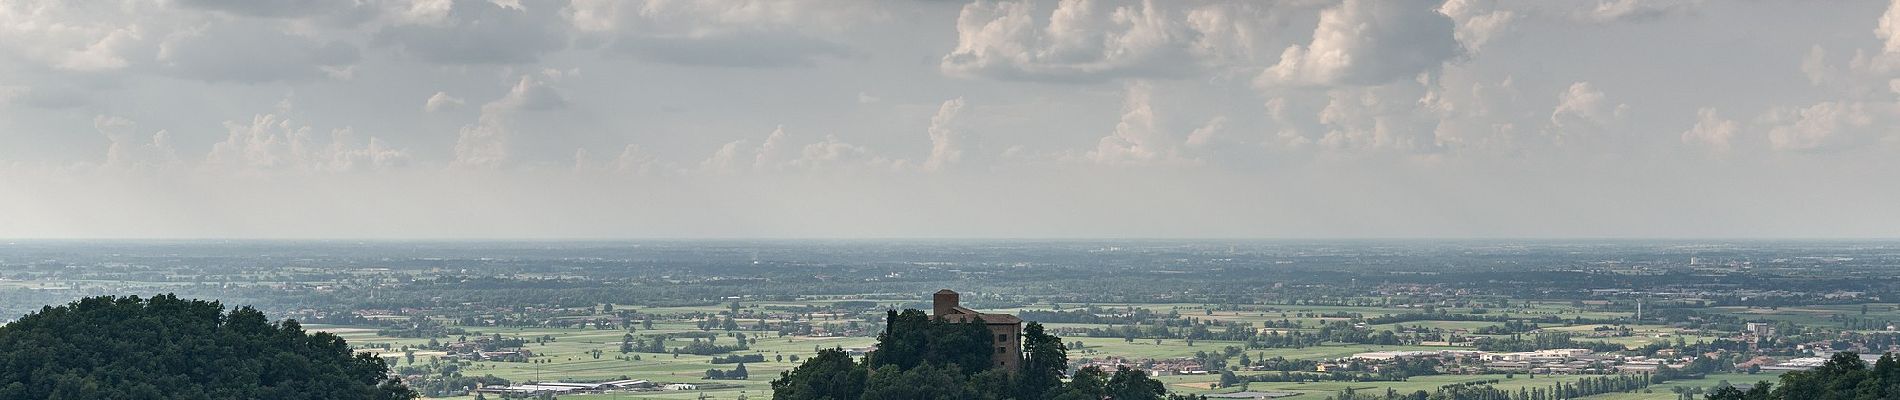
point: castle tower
(1007, 330)
(944, 303)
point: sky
(586, 119)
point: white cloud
(102, 55)
(1137, 138)
(770, 153)
(1637, 10)
(1478, 21)
(740, 33)
(1711, 131)
(485, 144)
(273, 143)
(632, 160)
(1083, 41)
(775, 154)
(1442, 101)
(1378, 118)
(488, 142)
(733, 157)
(946, 138)
(1207, 133)
(1366, 42)
(1583, 112)
(442, 101)
(1825, 126)
(636, 160)
(1889, 28)
(1477, 113)
(531, 93)
(477, 32)
(84, 37)
(129, 151)
(725, 159)
(833, 153)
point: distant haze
(888, 119)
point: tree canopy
(911, 338)
(1843, 377)
(922, 358)
(169, 348)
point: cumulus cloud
(478, 31)
(733, 157)
(485, 144)
(1365, 42)
(946, 138)
(777, 153)
(531, 92)
(1378, 118)
(129, 151)
(1373, 88)
(1291, 123)
(1711, 131)
(770, 153)
(1637, 10)
(72, 36)
(1206, 134)
(488, 142)
(832, 153)
(724, 159)
(441, 101)
(1888, 28)
(632, 160)
(1477, 112)
(1583, 111)
(1477, 21)
(1235, 37)
(1137, 139)
(177, 39)
(724, 33)
(1082, 41)
(272, 143)
(1824, 126)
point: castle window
(1001, 350)
(1002, 337)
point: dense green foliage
(1044, 360)
(1843, 377)
(921, 358)
(831, 375)
(912, 338)
(169, 348)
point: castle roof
(963, 314)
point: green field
(1427, 383)
(568, 357)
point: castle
(1007, 328)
